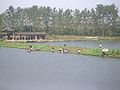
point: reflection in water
(20, 70)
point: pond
(21, 70)
(85, 44)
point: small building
(7, 29)
(30, 35)
(2, 35)
(9, 34)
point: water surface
(85, 44)
(20, 70)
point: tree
(11, 12)
(68, 22)
(113, 12)
(107, 16)
(77, 21)
(0, 23)
(102, 21)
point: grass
(78, 37)
(114, 53)
(57, 38)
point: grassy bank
(59, 38)
(114, 53)
(78, 37)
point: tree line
(103, 20)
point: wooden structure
(7, 29)
(2, 35)
(30, 35)
(9, 34)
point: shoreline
(62, 38)
(112, 53)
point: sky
(65, 4)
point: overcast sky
(65, 4)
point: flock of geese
(104, 50)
